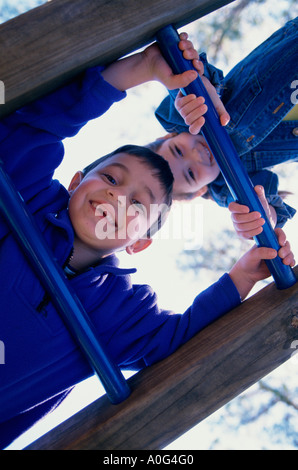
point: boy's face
(113, 206)
(191, 162)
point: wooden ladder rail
(172, 396)
(47, 46)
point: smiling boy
(114, 205)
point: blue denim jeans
(257, 93)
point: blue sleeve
(269, 181)
(133, 329)
(155, 333)
(221, 194)
(214, 75)
(31, 138)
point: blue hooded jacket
(41, 359)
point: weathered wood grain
(50, 44)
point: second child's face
(191, 161)
(114, 204)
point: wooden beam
(177, 393)
(45, 47)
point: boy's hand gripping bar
(225, 155)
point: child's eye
(191, 174)
(137, 203)
(178, 151)
(110, 178)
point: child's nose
(116, 195)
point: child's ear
(138, 246)
(75, 181)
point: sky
(132, 121)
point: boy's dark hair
(161, 170)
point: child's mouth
(209, 154)
(104, 210)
